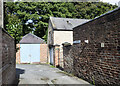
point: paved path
(44, 74)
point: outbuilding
(60, 30)
(32, 49)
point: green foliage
(45, 36)
(40, 12)
(14, 27)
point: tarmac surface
(45, 74)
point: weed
(93, 80)
(45, 78)
(52, 66)
(71, 75)
(53, 81)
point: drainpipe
(58, 57)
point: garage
(32, 53)
(32, 49)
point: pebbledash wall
(8, 59)
(97, 57)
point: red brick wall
(18, 54)
(43, 53)
(58, 58)
(57, 55)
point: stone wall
(97, 58)
(7, 54)
(8, 59)
(1, 13)
(68, 59)
(0, 56)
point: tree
(39, 13)
(14, 27)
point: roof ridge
(65, 23)
(33, 37)
(37, 36)
(69, 18)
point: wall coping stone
(66, 44)
(7, 33)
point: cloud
(111, 1)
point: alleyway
(44, 74)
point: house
(32, 49)
(60, 30)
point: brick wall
(8, 59)
(97, 61)
(43, 53)
(18, 54)
(58, 57)
(61, 58)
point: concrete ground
(44, 74)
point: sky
(111, 1)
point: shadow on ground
(18, 72)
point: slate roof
(31, 39)
(66, 23)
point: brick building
(95, 54)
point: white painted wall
(63, 36)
